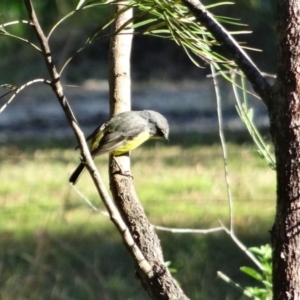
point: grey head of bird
(159, 126)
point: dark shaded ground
(83, 265)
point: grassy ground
(53, 246)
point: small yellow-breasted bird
(123, 133)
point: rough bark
(285, 124)
(159, 283)
(283, 102)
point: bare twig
(6, 33)
(18, 90)
(246, 115)
(238, 72)
(89, 202)
(236, 286)
(188, 230)
(242, 247)
(259, 83)
(109, 204)
(14, 23)
(223, 144)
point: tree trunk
(285, 124)
(159, 284)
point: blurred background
(53, 246)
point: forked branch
(259, 83)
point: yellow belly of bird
(132, 144)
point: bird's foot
(120, 170)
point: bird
(122, 133)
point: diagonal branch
(58, 90)
(259, 83)
(56, 85)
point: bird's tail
(75, 175)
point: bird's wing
(95, 135)
(110, 141)
(98, 132)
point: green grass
(53, 246)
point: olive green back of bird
(124, 132)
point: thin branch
(15, 22)
(230, 72)
(93, 207)
(80, 4)
(188, 230)
(243, 247)
(79, 7)
(223, 145)
(238, 72)
(6, 33)
(18, 90)
(109, 204)
(259, 83)
(58, 90)
(11, 88)
(88, 43)
(236, 285)
(246, 116)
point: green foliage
(147, 52)
(246, 115)
(263, 289)
(153, 17)
(176, 23)
(263, 276)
